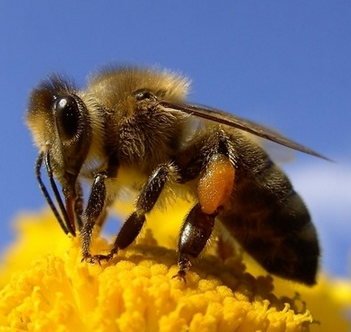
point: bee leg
(92, 213)
(78, 206)
(214, 190)
(146, 201)
(194, 235)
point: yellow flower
(46, 287)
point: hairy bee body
(132, 128)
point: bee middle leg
(145, 202)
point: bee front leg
(92, 213)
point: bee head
(60, 125)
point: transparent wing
(239, 123)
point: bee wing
(240, 123)
(278, 153)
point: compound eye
(144, 94)
(67, 114)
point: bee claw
(100, 258)
(92, 259)
(180, 276)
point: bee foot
(180, 275)
(92, 259)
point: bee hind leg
(214, 190)
(195, 232)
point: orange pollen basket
(216, 184)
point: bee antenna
(64, 223)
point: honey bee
(132, 128)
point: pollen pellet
(216, 184)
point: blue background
(283, 63)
